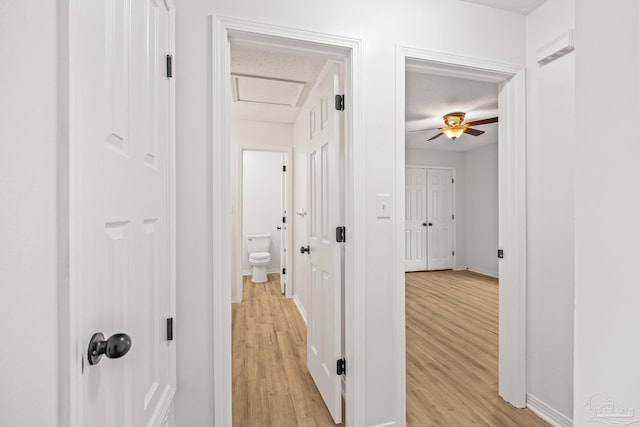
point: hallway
(271, 384)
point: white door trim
(222, 219)
(512, 195)
(237, 207)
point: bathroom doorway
(263, 199)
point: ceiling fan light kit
(454, 126)
(454, 132)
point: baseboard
(547, 413)
(250, 273)
(484, 272)
(391, 424)
(301, 309)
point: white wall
(255, 135)
(479, 32)
(550, 213)
(481, 210)
(416, 157)
(607, 291)
(28, 288)
(262, 203)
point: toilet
(259, 256)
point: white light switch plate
(383, 206)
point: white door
(415, 236)
(122, 209)
(325, 214)
(440, 219)
(283, 226)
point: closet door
(415, 236)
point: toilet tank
(258, 242)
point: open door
(324, 329)
(122, 225)
(283, 228)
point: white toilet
(259, 256)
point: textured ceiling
(429, 97)
(268, 62)
(523, 7)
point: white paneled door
(122, 211)
(415, 238)
(440, 219)
(325, 213)
(429, 219)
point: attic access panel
(266, 90)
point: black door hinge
(340, 234)
(169, 66)
(500, 253)
(284, 168)
(170, 329)
(284, 219)
(341, 367)
(340, 102)
(453, 252)
(284, 271)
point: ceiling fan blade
(420, 130)
(482, 122)
(434, 137)
(474, 132)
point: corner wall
(607, 209)
(551, 149)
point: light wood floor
(271, 384)
(452, 353)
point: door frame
(222, 28)
(71, 352)
(454, 207)
(238, 209)
(512, 209)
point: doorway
(511, 209)
(227, 32)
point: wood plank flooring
(271, 384)
(452, 357)
(452, 353)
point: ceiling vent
(266, 90)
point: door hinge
(453, 181)
(284, 219)
(453, 252)
(500, 253)
(340, 102)
(170, 329)
(453, 216)
(284, 168)
(341, 367)
(340, 234)
(284, 271)
(169, 66)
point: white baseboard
(483, 271)
(301, 309)
(547, 413)
(391, 424)
(250, 273)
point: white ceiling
(264, 61)
(429, 97)
(523, 7)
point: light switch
(383, 206)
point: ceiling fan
(455, 126)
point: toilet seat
(259, 256)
